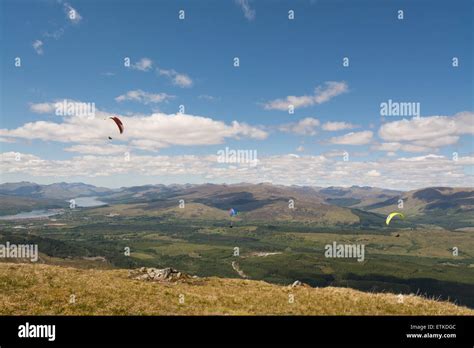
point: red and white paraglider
(119, 124)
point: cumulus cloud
(149, 132)
(415, 148)
(144, 97)
(353, 138)
(249, 13)
(393, 147)
(38, 47)
(144, 64)
(321, 95)
(373, 173)
(306, 126)
(334, 153)
(428, 128)
(421, 171)
(337, 126)
(438, 142)
(181, 80)
(107, 149)
(178, 79)
(425, 134)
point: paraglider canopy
(118, 123)
(391, 215)
(232, 212)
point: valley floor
(38, 289)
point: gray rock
(296, 283)
(154, 274)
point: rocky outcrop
(160, 275)
(297, 283)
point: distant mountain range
(60, 190)
(264, 202)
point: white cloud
(72, 14)
(181, 80)
(143, 64)
(6, 140)
(147, 132)
(43, 108)
(428, 128)
(373, 173)
(77, 107)
(106, 149)
(300, 148)
(421, 158)
(438, 142)
(337, 126)
(334, 153)
(425, 134)
(353, 138)
(391, 147)
(38, 47)
(178, 79)
(249, 13)
(421, 171)
(415, 148)
(321, 95)
(144, 97)
(306, 126)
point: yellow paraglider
(391, 215)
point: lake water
(34, 214)
(86, 202)
(81, 202)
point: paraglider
(391, 215)
(232, 213)
(119, 124)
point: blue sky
(190, 62)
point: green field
(420, 260)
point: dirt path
(236, 268)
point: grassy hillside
(431, 199)
(44, 289)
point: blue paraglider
(232, 213)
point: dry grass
(38, 289)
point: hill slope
(429, 200)
(37, 289)
(60, 191)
